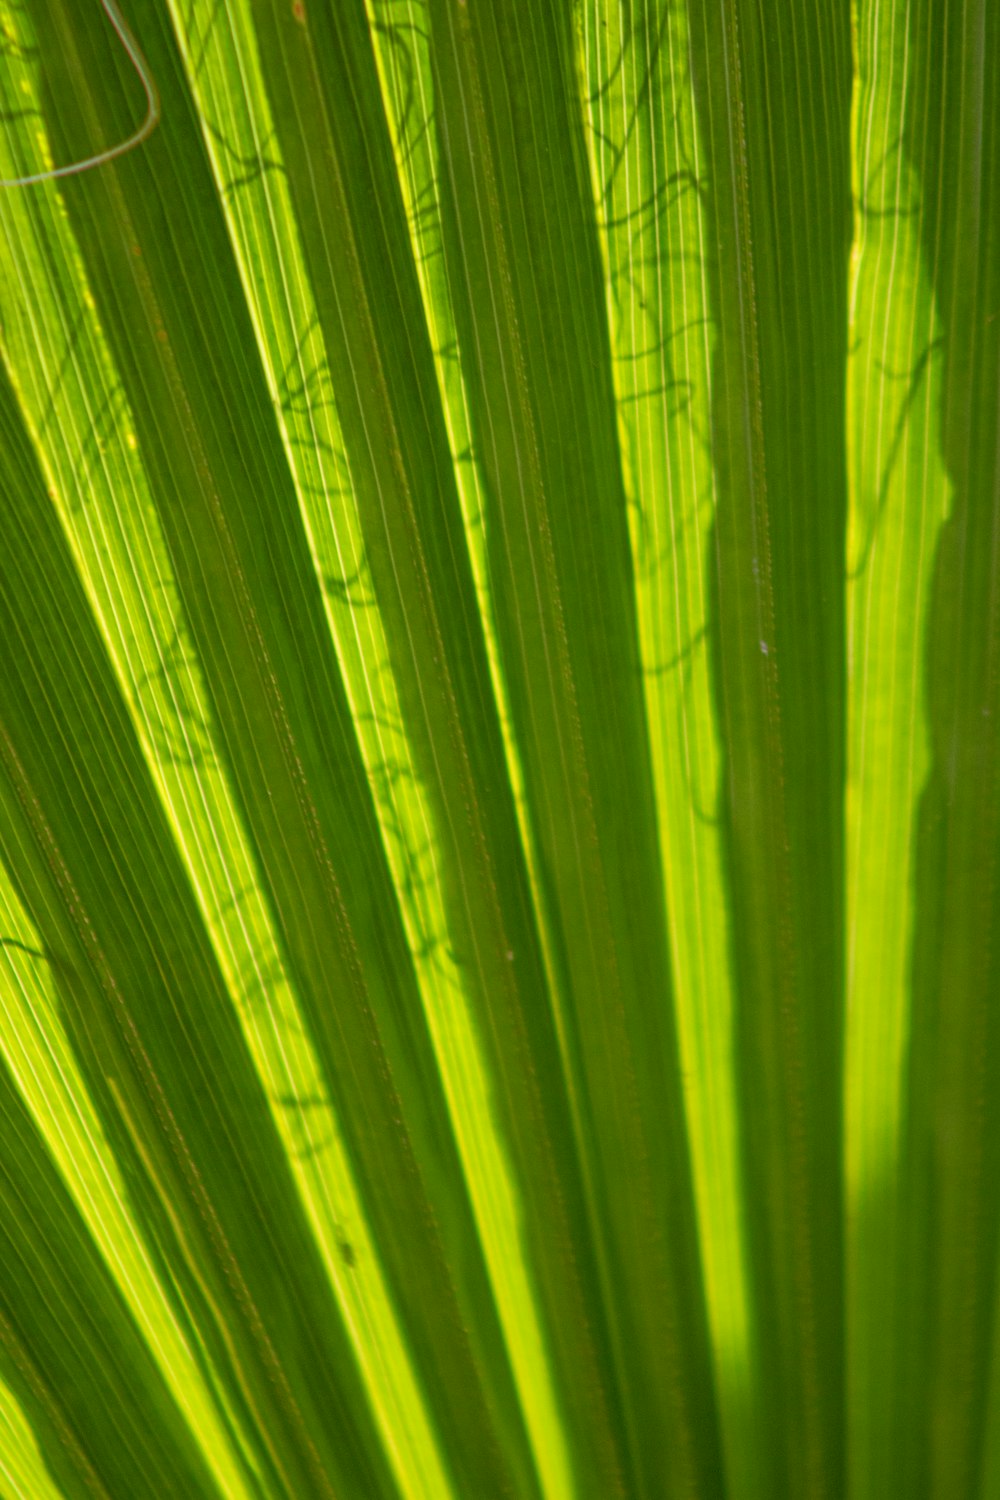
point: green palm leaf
(499, 781)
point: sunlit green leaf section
(899, 497)
(73, 402)
(400, 33)
(648, 189)
(226, 77)
(75, 405)
(36, 1051)
(23, 1475)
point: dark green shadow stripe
(773, 94)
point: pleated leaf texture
(499, 749)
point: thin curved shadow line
(145, 130)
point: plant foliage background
(499, 782)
